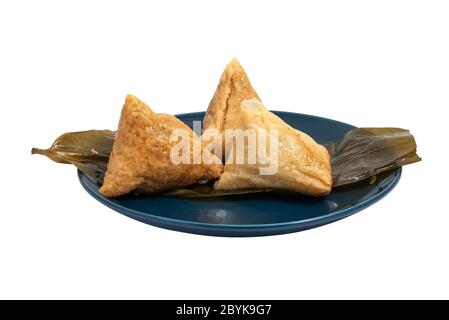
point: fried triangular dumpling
(296, 163)
(233, 88)
(140, 159)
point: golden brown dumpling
(140, 158)
(233, 88)
(301, 164)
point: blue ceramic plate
(254, 214)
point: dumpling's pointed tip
(132, 103)
(234, 64)
(131, 99)
(235, 61)
(236, 71)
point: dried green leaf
(89, 151)
(365, 152)
(207, 191)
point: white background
(67, 66)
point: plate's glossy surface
(254, 214)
